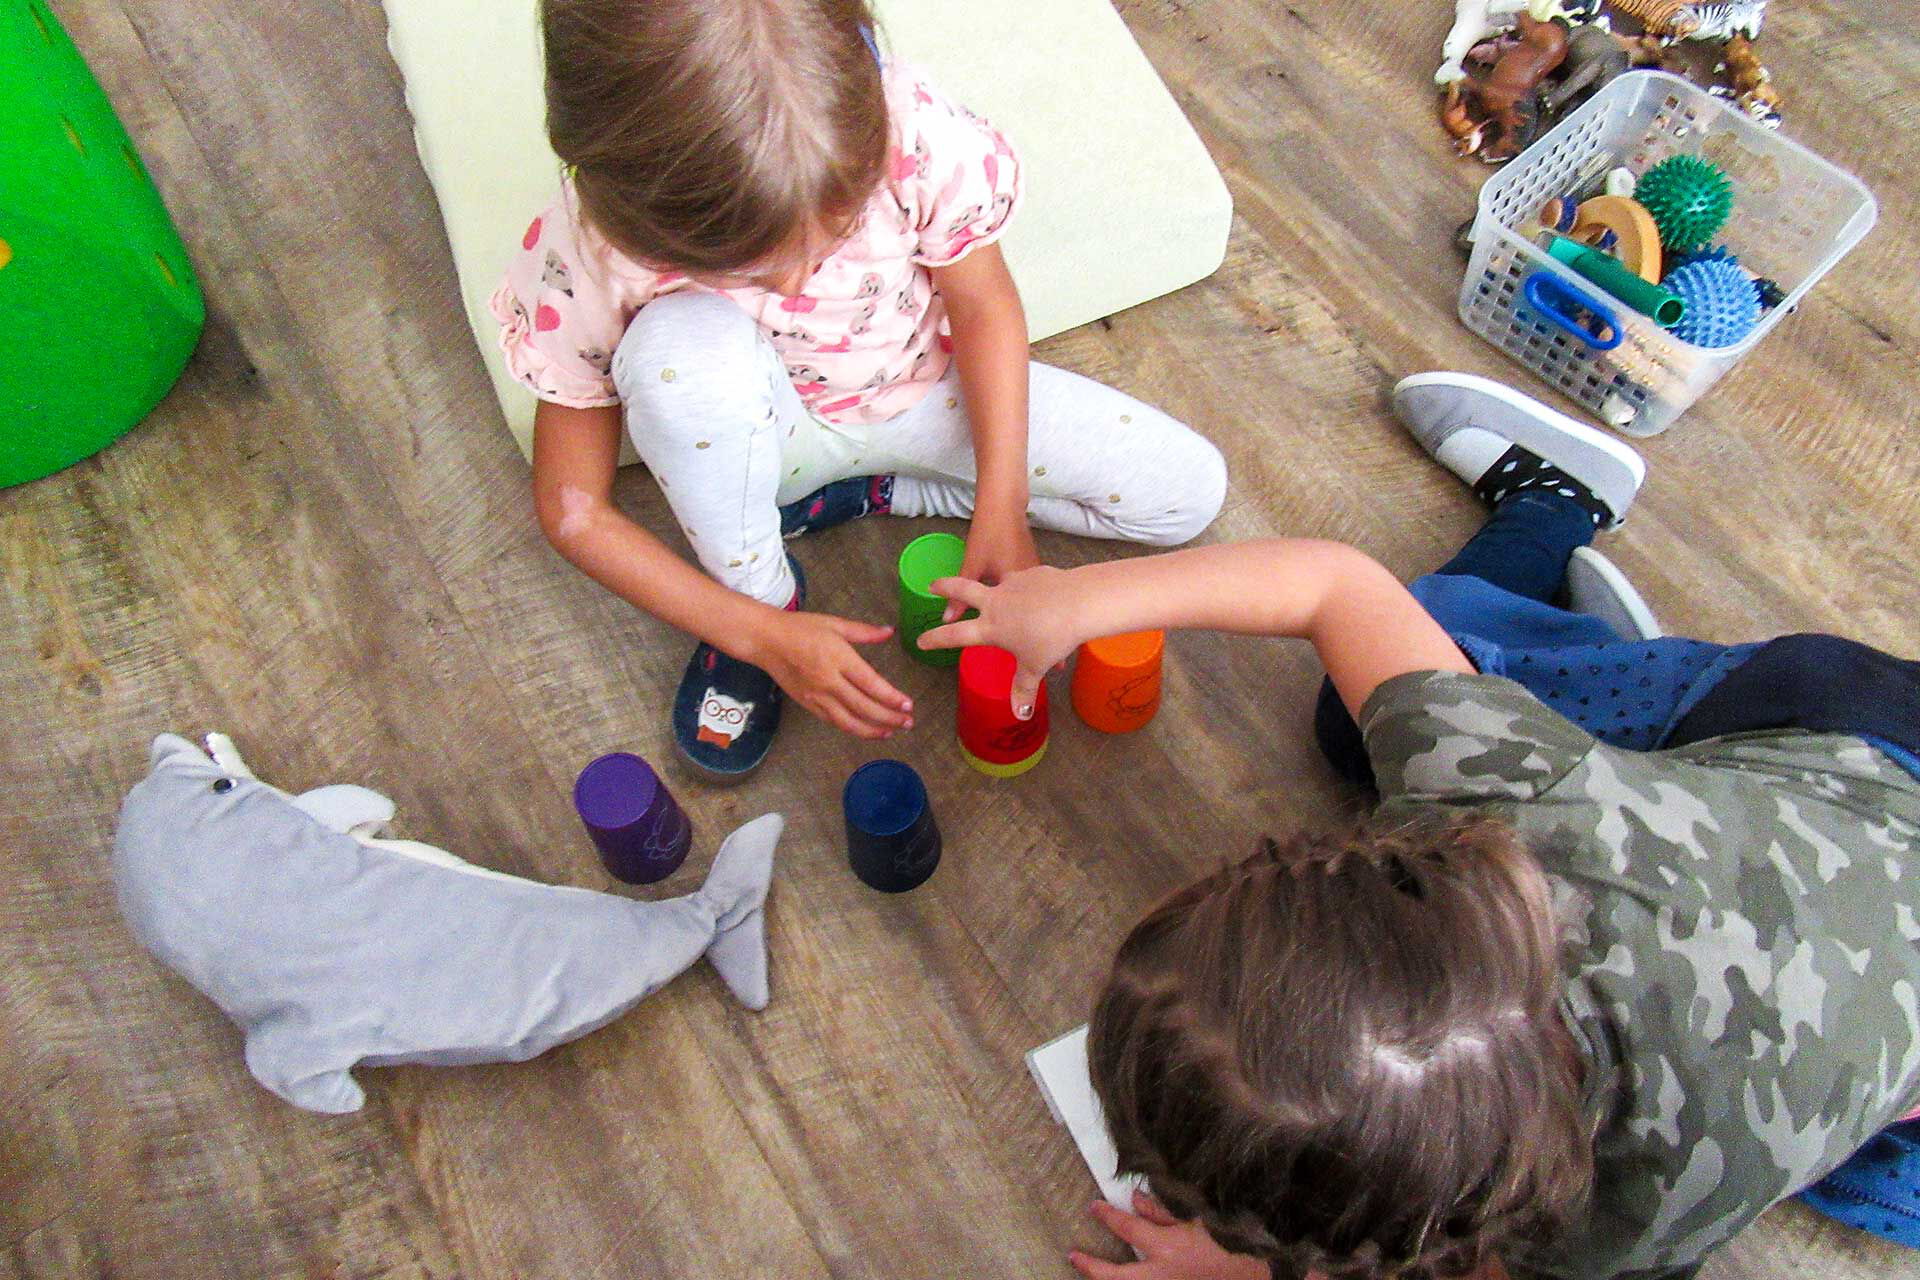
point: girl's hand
(1030, 614)
(1169, 1249)
(996, 549)
(811, 656)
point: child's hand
(996, 549)
(1030, 614)
(811, 656)
(1169, 1249)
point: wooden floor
(322, 544)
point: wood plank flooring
(322, 544)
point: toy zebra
(1724, 20)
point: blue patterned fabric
(1627, 693)
(1878, 1190)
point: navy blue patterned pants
(1495, 600)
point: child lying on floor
(1629, 952)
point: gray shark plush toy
(331, 947)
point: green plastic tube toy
(1663, 306)
(99, 308)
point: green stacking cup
(928, 557)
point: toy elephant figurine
(332, 948)
(1594, 58)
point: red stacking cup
(992, 739)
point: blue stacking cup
(893, 842)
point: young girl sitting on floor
(1629, 952)
(775, 260)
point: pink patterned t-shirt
(865, 338)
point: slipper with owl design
(726, 712)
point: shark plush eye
(222, 785)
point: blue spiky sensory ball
(1722, 304)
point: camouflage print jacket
(1743, 924)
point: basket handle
(1549, 294)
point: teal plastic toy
(1689, 199)
(1605, 270)
(99, 307)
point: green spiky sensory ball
(1689, 199)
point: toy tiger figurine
(1667, 19)
(1677, 20)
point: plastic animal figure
(1466, 132)
(1594, 57)
(1504, 98)
(1752, 84)
(1666, 19)
(1475, 20)
(332, 947)
(1722, 21)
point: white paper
(1060, 1069)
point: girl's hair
(1346, 1054)
(705, 134)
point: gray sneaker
(1596, 587)
(1469, 423)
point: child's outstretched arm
(1365, 625)
(810, 655)
(990, 350)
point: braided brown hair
(706, 135)
(1345, 1054)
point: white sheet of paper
(1060, 1069)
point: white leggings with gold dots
(713, 414)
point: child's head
(1346, 1054)
(717, 137)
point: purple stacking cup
(640, 831)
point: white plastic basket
(1794, 216)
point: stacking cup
(893, 842)
(640, 830)
(992, 739)
(1116, 680)
(926, 559)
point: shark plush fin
(280, 1056)
(740, 955)
(343, 807)
(220, 747)
(736, 890)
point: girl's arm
(1365, 625)
(810, 655)
(990, 350)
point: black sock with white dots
(1519, 472)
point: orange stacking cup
(1116, 680)
(992, 739)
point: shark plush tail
(736, 892)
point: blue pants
(1495, 599)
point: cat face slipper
(726, 712)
